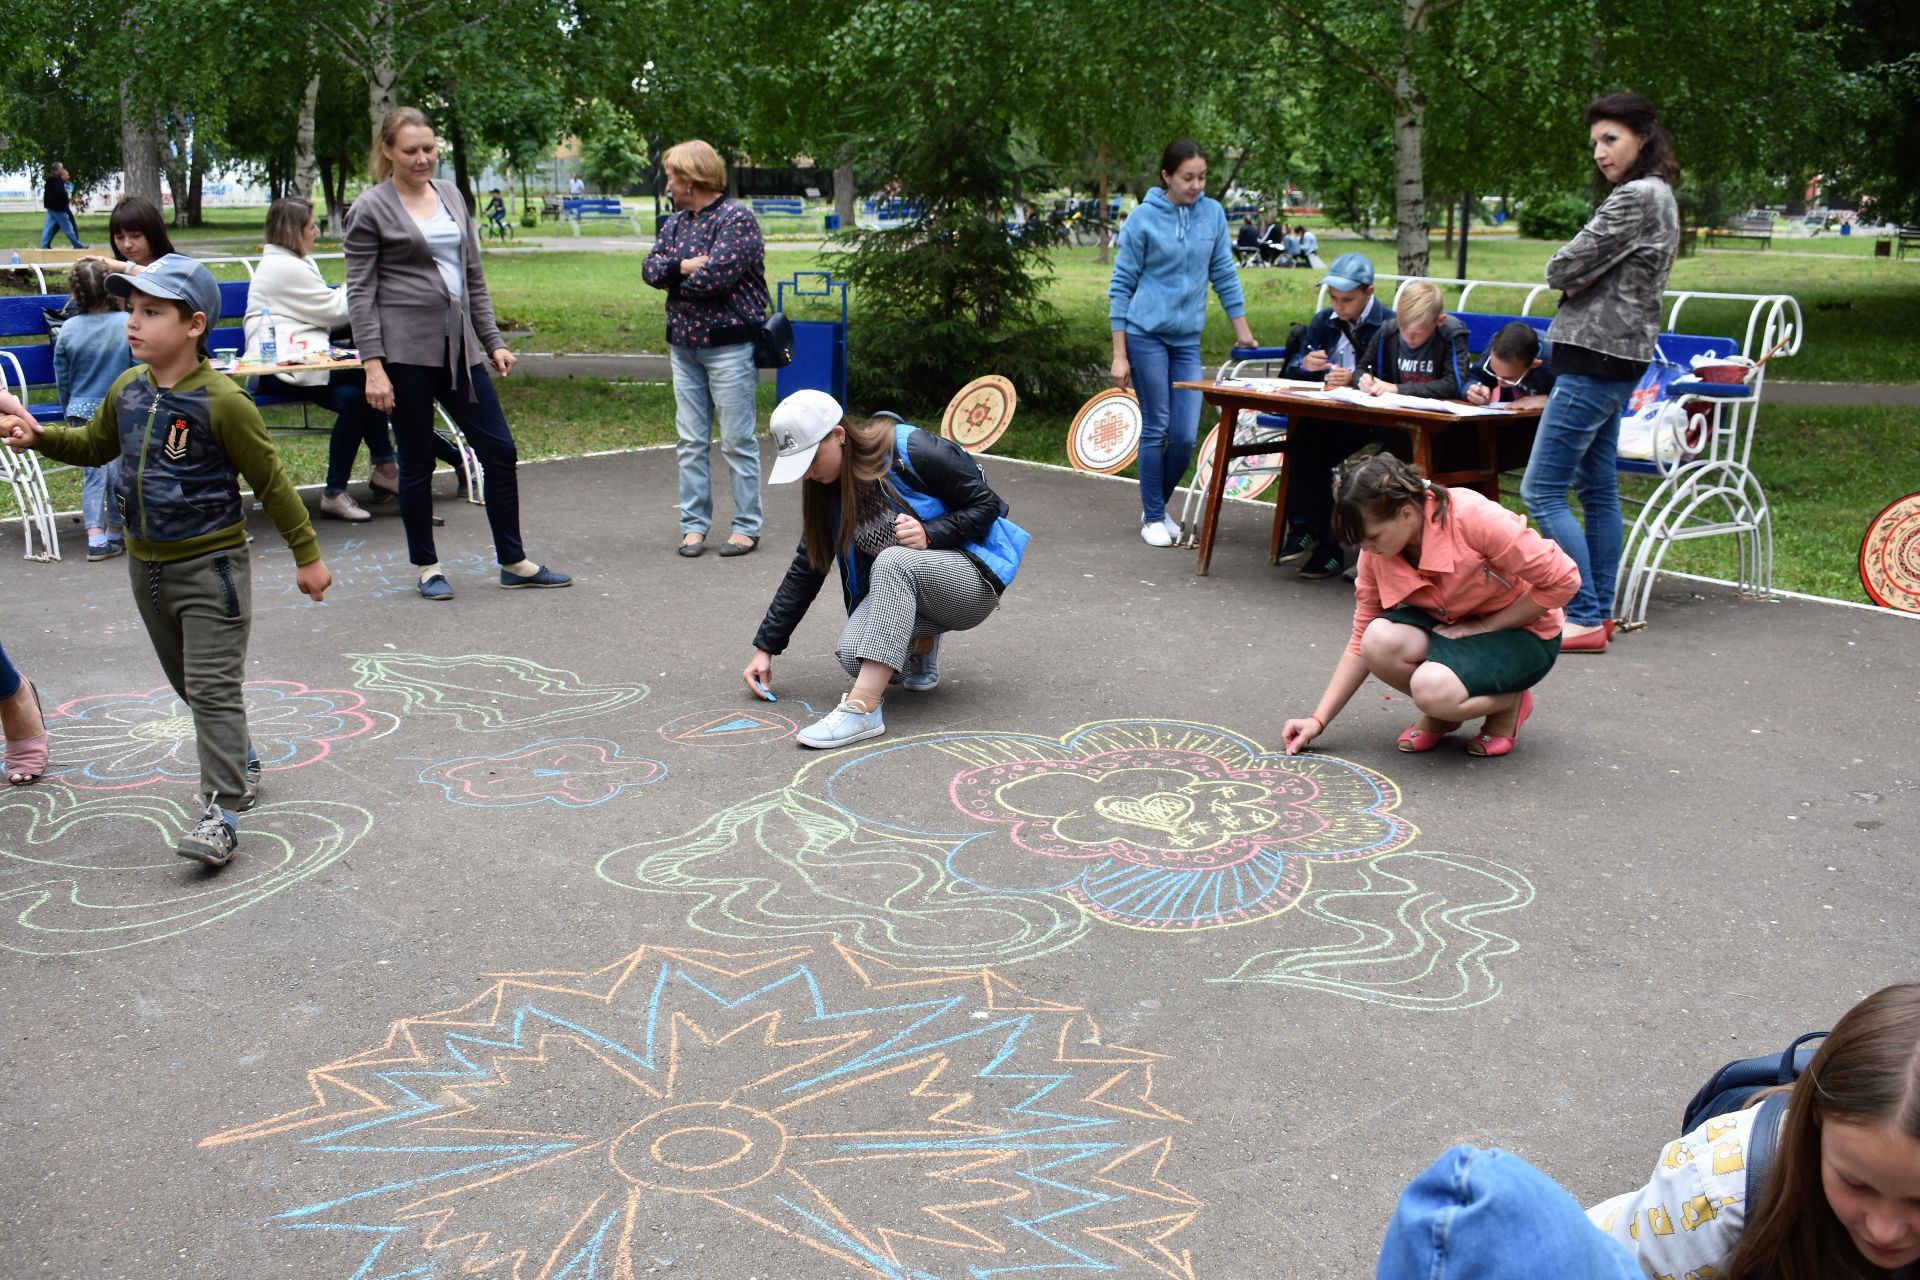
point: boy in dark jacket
(184, 434)
(1421, 352)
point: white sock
(429, 570)
(525, 569)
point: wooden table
(269, 370)
(1302, 411)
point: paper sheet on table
(1394, 400)
(1271, 384)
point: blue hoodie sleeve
(1225, 276)
(1127, 262)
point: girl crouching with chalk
(923, 547)
(1457, 604)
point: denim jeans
(98, 504)
(1169, 419)
(709, 383)
(1578, 441)
(415, 388)
(9, 676)
(344, 394)
(58, 220)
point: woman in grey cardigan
(425, 329)
(1611, 277)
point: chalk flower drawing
(1381, 936)
(800, 1111)
(968, 848)
(80, 875)
(113, 741)
(573, 773)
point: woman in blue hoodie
(1171, 248)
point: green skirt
(1492, 662)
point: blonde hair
(397, 119)
(1417, 302)
(698, 163)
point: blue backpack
(1733, 1086)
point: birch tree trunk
(383, 67)
(139, 147)
(1409, 126)
(304, 164)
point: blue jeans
(61, 221)
(1576, 447)
(1169, 419)
(97, 505)
(9, 676)
(710, 382)
(344, 393)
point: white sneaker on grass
(842, 726)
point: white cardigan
(305, 307)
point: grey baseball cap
(174, 276)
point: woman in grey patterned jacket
(1611, 277)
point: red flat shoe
(1594, 641)
(1607, 626)
(1414, 738)
(1488, 744)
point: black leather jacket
(940, 468)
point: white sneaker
(1156, 535)
(841, 726)
(1172, 527)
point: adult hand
(1243, 333)
(1340, 376)
(313, 579)
(1461, 630)
(1298, 733)
(909, 532)
(503, 361)
(759, 673)
(379, 391)
(1120, 372)
(690, 265)
(1315, 362)
(1479, 393)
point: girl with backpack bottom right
(1842, 1201)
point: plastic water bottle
(16, 257)
(269, 342)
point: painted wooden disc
(1240, 484)
(1890, 556)
(1105, 434)
(979, 413)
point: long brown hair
(1867, 1072)
(137, 213)
(1377, 488)
(397, 119)
(287, 224)
(867, 458)
(1656, 148)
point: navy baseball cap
(175, 276)
(1350, 271)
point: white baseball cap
(799, 424)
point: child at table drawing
(89, 352)
(184, 434)
(1516, 371)
(1420, 351)
(1842, 1196)
(921, 542)
(1457, 604)
(1337, 336)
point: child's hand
(1339, 376)
(1298, 733)
(1478, 393)
(313, 578)
(20, 431)
(1314, 361)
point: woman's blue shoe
(541, 577)
(437, 588)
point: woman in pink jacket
(1458, 604)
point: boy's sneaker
(923, 669)
(212, 839)
(251, 795)
(842, 726)
(1298, 546)
(1324, 562)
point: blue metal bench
(791, 207)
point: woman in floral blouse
(712, 262)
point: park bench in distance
(1907, 238)
(1760, 229)
(598, 209)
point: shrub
(1553, 217)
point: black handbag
(773, 342)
